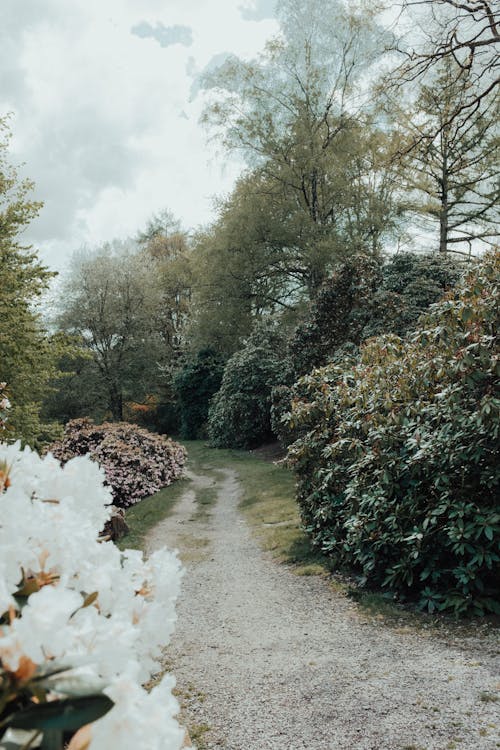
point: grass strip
(149, 512)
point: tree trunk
(444, 209)
(116, 403)
(443, 224)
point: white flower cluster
(102, 613)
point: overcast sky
(105, 109)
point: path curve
(272, 661)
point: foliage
(28, 355)
(365, 296)
(142, 413)
(397, 465)
(137, 463)
(239, 414)
(449, 170)
(166, 252)
(78, 618)
(77, 390)
(4, 407)
(195, 385)
(112, 301)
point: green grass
(205, 497)
(144, 516)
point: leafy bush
(240, 413)
(144, 413)
(366, 297)
(397, 466)
(195, 385)
(137, 463)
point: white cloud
(103, 119)
(258, 10)
(164, 35)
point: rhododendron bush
(82, 624)
(137, 463)
(397, 454)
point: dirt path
(271, 661)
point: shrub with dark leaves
(366, 296)
(397, 455)
(195, 385)
(240, 412)
(137, 463)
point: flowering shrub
(81, 623)
(396, 454)
(137, 463)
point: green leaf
(62, 714)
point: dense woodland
(344, 300)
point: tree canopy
(28, 354)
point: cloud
(166, 36)
(258, 10)
(99, 118)
(199, 76)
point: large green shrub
(366, 296)
(240, 413)
(195, 385)
(396, 461)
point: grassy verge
(144, 516)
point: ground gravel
(267, 660)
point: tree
(112, 302)
(77, 391)
(28, 355)
(466, 32)
(245, 266)
(166, 250)
(195, 385)
(451, 166)
(315, 156)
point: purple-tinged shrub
(137, 463)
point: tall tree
(167, 252)
(297, 116)
(28, 355)
(111, 302)
(466, 32)
(451, 166)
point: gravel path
(272, 661)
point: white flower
(102, 613)
(139, 719)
